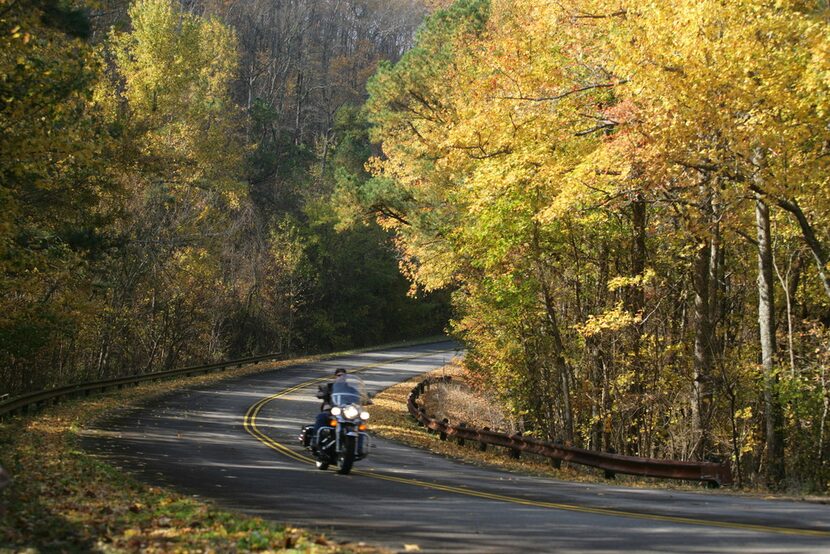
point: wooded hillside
(632, 201)
(167, 169)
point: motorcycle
(344, 440)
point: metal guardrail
(34, 400)
(712, 473)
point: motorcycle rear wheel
(346, 458)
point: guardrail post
(608, 473)
(515, 453)
(482, 446)
(556, 462)
(462, 425)
(443, 434)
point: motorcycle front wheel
(346, 458)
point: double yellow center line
(250, 424)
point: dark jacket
(324, 394)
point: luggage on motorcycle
(305, 435)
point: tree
(53, 184)
(581, 171)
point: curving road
(235, 442)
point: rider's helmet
(339, 371)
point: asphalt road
(235, 442)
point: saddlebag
(305, 435)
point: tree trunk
(298, 131)
(705, 284)
(773, 417)
(600, 408)
(561, 365)
(701, 390)
(636, 303)
(559, 361)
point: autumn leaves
(593, 177)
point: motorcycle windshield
(347, 390)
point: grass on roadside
(62, 499)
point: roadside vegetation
(459, 401)
(630, 200)
(62, 499)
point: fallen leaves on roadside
(62, 499)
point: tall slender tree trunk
(716, 279)
(773, 416)
(702, 353)
(636, 304)
(600, 408)
(704, 283)
(560, 364)
(298, 130)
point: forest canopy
(627, 203)
(166, 183)
(631, 202)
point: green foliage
(148, 222)
(580, 172)
(52, 179)
(359, 295)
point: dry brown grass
(459, 403)
(391, 419)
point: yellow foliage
(640, 281)
(612, 320)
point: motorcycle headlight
(351, 411)
(364, 415)
(336, 411)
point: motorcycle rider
(324, 393)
